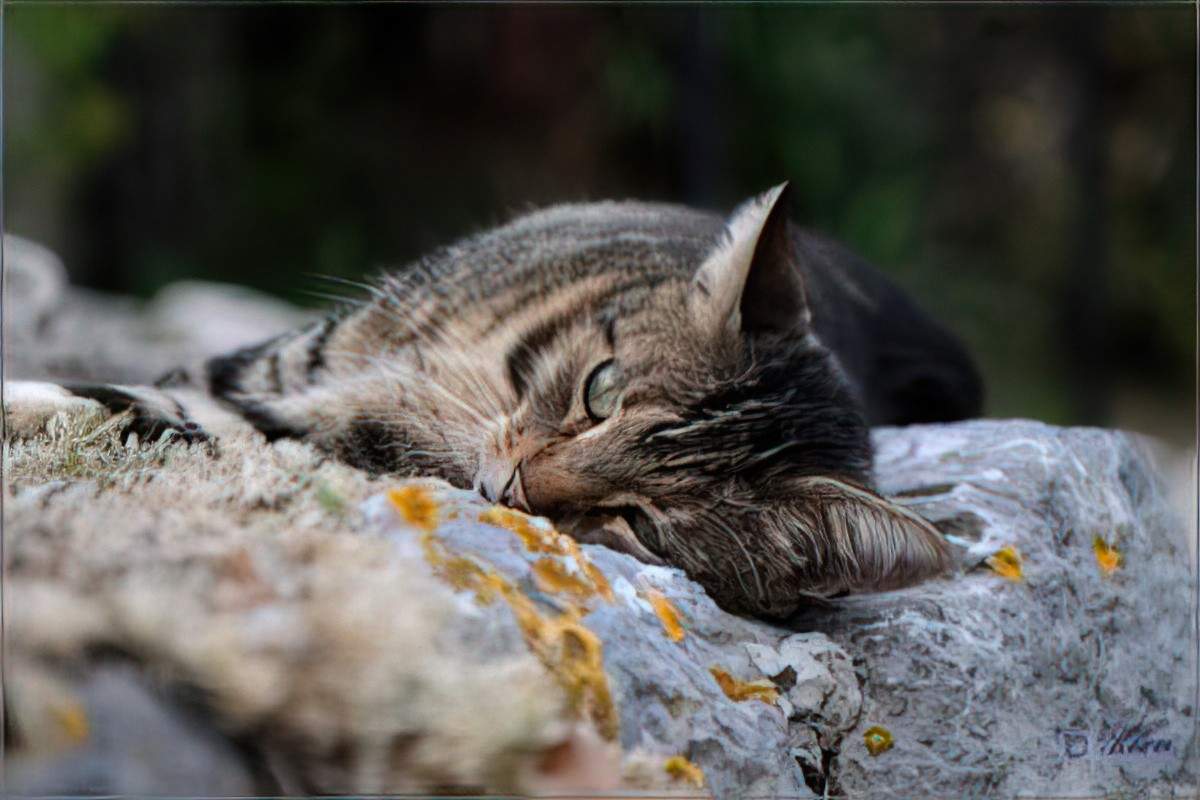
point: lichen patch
(1108, 557)
(543, 538)
(684, 771)
(668, 615)
(1006, 562)
(552, 577)
(571, 652)
(415, 505)
(878, 739)
(73, 721)
(738, 690)
(535, 538)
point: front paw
(30, 405)
(152, 412)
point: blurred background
(1027, 172)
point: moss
(329, 499)
(87, 447)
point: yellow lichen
(551, 576)
(668, 615)
(570, 652)
(1107, 556)
(547, 540)
(591, 570)
(680, 769)
(73, 720)
(1006, 562)
(464, 574)
(535, 539)
(739, 690)
(415, 505)
(878, 739)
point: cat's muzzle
(501, 483)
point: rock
(135, 742)
(58, 331)
(667, 700)
(245, 588)
(986, 685)
(1069, 681)
(35, 282)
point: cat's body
(695, 392)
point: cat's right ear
(855, 540)
(751, 282)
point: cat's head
(704, 424)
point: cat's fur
(749, 358)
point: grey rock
(58, 331)
(141, 743)
(998, 688)
(668, 699)
(1068, 681)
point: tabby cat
(693, 392)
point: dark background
(1027, 172)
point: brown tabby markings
(737, 449)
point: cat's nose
(503, 486)
(514, 495)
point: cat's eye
(602, 391)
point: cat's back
(562, 244)
(903, 364)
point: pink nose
(502, 484)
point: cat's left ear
(751, 281)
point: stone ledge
(1069, 680)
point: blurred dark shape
(1027, 172)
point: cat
(694, 391)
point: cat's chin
(616, 528)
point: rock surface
(356, 635)
(661, 639)
(55, 330)
(1069, 681)
(987, 685)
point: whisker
(356, 302)
(487, 402)
(425, 379)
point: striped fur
(739, 450)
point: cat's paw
(30, 405)
(152, 411)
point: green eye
(602, 390)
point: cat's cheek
(550, 487)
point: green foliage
(949, 146)
(81, 118)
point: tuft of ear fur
(751, 282)
(809, 539)
(863, 542)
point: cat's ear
(860, 542)
(814, 538)
(751, 281)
